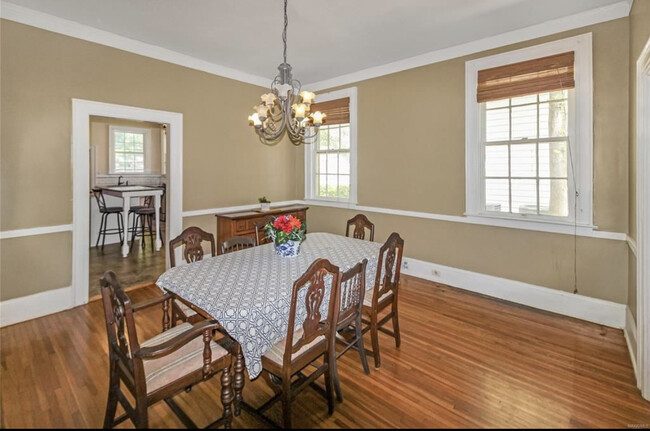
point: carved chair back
(314, 283)
(260, 233)
(360, 223)
(120, 328)
(191, 238)
(237, 243)
(388, 267)
(352, 291)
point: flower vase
(288, 249)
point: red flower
(287, 223)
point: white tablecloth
(249, 291)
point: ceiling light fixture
(285, 108)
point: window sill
(331, 202)
(559, 226)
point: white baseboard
(630, 338)
(581, 307)
(36, 305)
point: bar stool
(106, 212)
(142, 216)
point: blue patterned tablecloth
(249, 291)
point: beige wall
(99, 137)
(223, 162)
(416, 161)
(639, 34)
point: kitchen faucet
(119, 180)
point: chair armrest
(146, 304)
(177, 342)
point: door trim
(82, 110)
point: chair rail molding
(32, 231)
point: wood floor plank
(466, 361)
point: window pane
(119, 145)
(119, 137)
(553, 159)
(496, 161)
(553, 95)
(497, 195)
(322, 185)
(335, 138)
(344, 186)
(524, 122)
(524, 196)
(532, 98)
(523, 160)
(138, 138)
(497, 125)
(345, 137)
(332, 186)
(323, 138)
(554, 197)
(321, 166)
(497, 104)
(332, 163)
(344, 163)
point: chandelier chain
(284, 32)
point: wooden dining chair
(348, 325)
(237, 243)
(192, 240)
(163, 366)
(384, 295)
(285, 361)
(360, 223)
(260, 233)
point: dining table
(128, 192)
(249, 291)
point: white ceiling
(326, 38)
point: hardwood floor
(140, 266)
(465, 361)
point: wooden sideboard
(243, 223)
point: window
(330, 159)
(526, 154)
(528, 134)
(127, 150)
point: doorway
(125, 153)
(86, 175)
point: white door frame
(82, 110)
(643, 219)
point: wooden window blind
(337, 111)
(550, 73)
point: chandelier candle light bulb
(317, 118)
(300, 110)
(307, 97)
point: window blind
(337, 111)
(552, 73)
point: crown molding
(594, 16)
(74, 29)
(31, 17)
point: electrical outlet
(435, 272)
(405, 264)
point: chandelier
(285, 108)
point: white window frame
(580, 134)
(146, 148)
(310, 150)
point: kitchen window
(127, 150)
